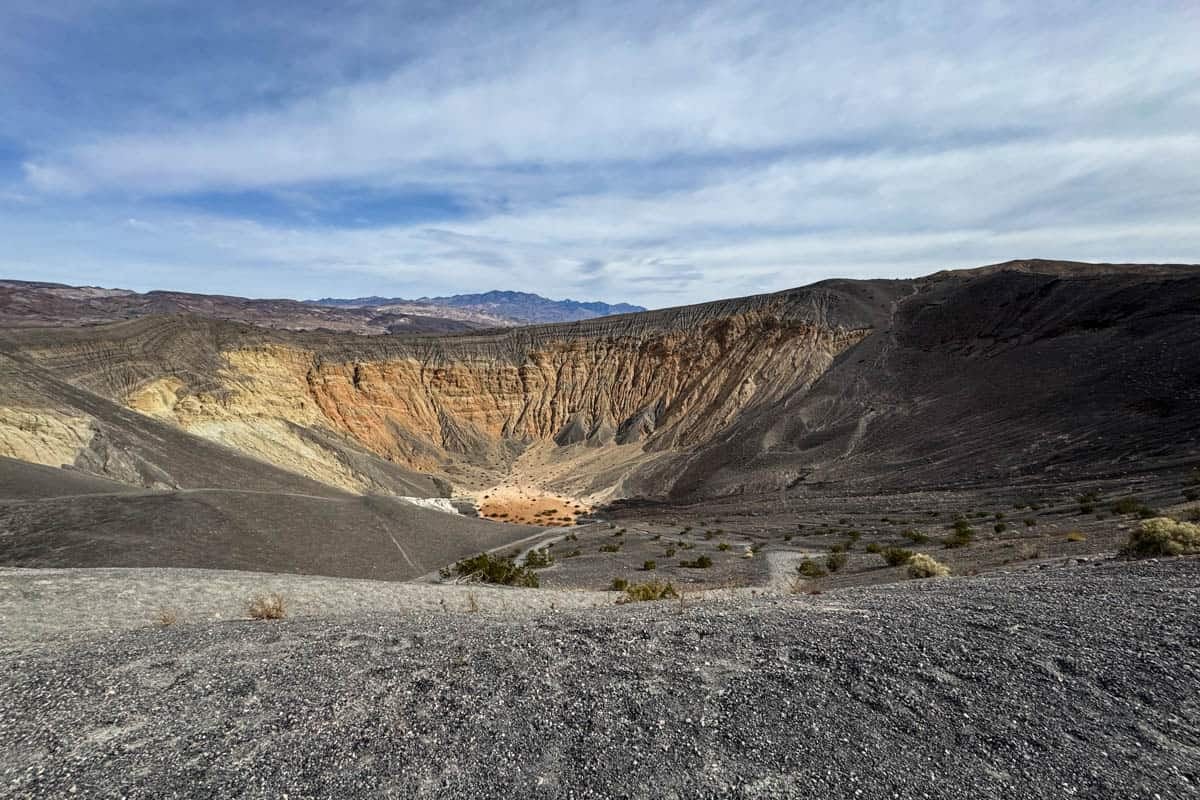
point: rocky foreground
(1066, 682)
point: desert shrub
(1030, 522)
(649, 564)
(835, 561)
(610, 548)
(488, 568)
(700, 562)
(873, 547)
(708, 535)
(915, 536)
(267, 606)
(895, 556)
(723, 546)
(787, 537)
(837, 548)
(1000, 527)
(843, 521)
(618, 585)
(1162, 536)
(962, 536)
(649, 591)
(1193, 514)
(999, 515)
(1132, 505)
(166, 616)
(572, 553)
(670, 551)
(810, 569)
(924, 566)
(539, 559)
(1076, 536)
(853, 536)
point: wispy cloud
(659, 155)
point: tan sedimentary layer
(43, 436)
(667, 390)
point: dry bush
(651, 590)
(925, 566)
(267, 606)
(1163, 536)
(166, 616)
(1076, 536)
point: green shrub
(670, 551)
(700, 562)
(618, 585)
(1000, 527)
(923, 566)
(873, 547)
(1030, 522)
(610, 548)
(539, 559)
(835, 561)
(915, 536)
(572, 553)
(895, 556)
(649, 591)
(810, 569)
(1076, 536)
(1131, 505)
(723, 546)
(854, 536)
(1163, 536)
(649, 564)
(488, 568)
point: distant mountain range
(495, 306)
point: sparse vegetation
(700, 562)
(649, 564)
(539, 559)
(895, 556)
(166, 616)
(962, 536)
(1076, 536)
(1132, 505)
(1030, 522)
(1163, 536)
(649, 591)
(925, 566)
(723, 546)
(267, 606)
(835, 561)
(810, 569)
(670, 551)
(1000, 527)
(488, 568)
(572, 553)
(610, 548)
(618, 585)
(873, 547)
(915, 536)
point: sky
(655, 153)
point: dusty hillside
(1077, 682)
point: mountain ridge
(527, 307)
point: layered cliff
(960, 377)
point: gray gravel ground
(1065, 682)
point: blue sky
(656, 153)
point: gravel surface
(1076, 681)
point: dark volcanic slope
(355, 537)
(20, 480)
(1047, 370)
(1075, 682)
